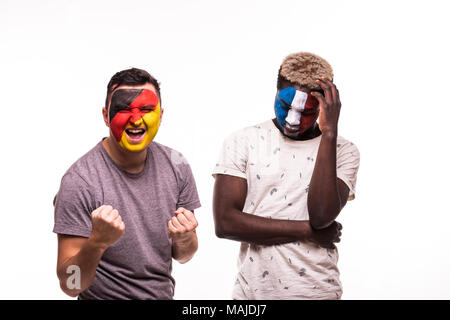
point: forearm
(250, 228)
(184, 246)
(86, 261)
(324, 203)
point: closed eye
(286, 106)
(148, 108)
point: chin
(135, 150)
(293, 134)
(138, 147)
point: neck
(132, 162)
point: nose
(293, 118)
(136, 118)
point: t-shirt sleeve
(188, 196)
(347, 165)
(73, 206)
(233, 157)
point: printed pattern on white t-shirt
(278, 171)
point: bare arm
(85, 253)
(82, 253)
(327, 194)
(231, 223)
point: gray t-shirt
(139, 264)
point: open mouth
(135, 135)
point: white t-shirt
(278, 171)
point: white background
(217, 62)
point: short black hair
(131, 77)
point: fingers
(97, 211)
(118, 222)
(107, 226)
(108, 214)
(184, 221)
(172, 229)
(175, 227)
(319, 97)
(186, 217)
(326, 85)
(180, 210)
(330, 91)
(176, 223)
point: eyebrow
(147, 106)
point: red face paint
(310, 114)
(129, 106)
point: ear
(160, 116)
(105, 116)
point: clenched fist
(107, 226)
(182, 224)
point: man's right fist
(107, 226)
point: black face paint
(121, 100)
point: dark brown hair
(131, 77)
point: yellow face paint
(150, 122)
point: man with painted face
(281, 184)
(126, 208)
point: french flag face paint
(296, 111)
(134, 117)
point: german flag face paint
(134, 117)
(296, 111)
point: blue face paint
(296, 111)
(281, 109)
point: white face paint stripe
(298, 105)
(299, 100)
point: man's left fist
(182, 224)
